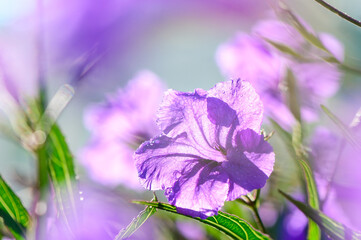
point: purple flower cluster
(337, 170)
(118, 127)
(336, 187)
(210, 150)
(251, 57)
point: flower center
(221, 149)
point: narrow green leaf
(136, 223)
(288, 16)
(14, 214)
(231, 225)
(312, 194)
(345, 130)
(293, 96)
(295, 148)
(285, 49)
(332, 228)
(285, 136)
(312, 199)
(62, 174)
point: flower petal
(162, 160)
(249, 164)
(202, 187)
(242, 97)
(211, 118)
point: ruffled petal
(211, 118)
(202, 187)
(249, 58)
(241, 97)
(249, 164)
(162, 160)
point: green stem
(253, 205)
(42, 187)
(257, 218)
(350, 69)
(339, 13)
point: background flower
(118, 127)
(252, 58)
(336, 164)
(101, 214)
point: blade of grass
(333, 229)
(345, 130)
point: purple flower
(190, 230)
(210, 150)
(338, 186)
(252, 58)
(326, 151)
(118, 127)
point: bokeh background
(114, 40)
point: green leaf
(295, 147)
(285, 136)
(332, 228)
(62, 175)
(136, 223)
(312, 199)
(288, 16)
(285, 49)
(312, 194)
(231, 225)
(345, 130)
(14, 214)
(293, 96)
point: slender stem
(258, 218)
(339, 13)
(253, 205)
(351, 69)
(334, 171)
(42, 187)
(40, 47)
(43, 179)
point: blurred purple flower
(118, 127)
(210, 150)
(101, 214)
(326, 151)
(82, 33)
(252, 58)
(18, 65)
(191, 230)
(296, 222)
(337, 186)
